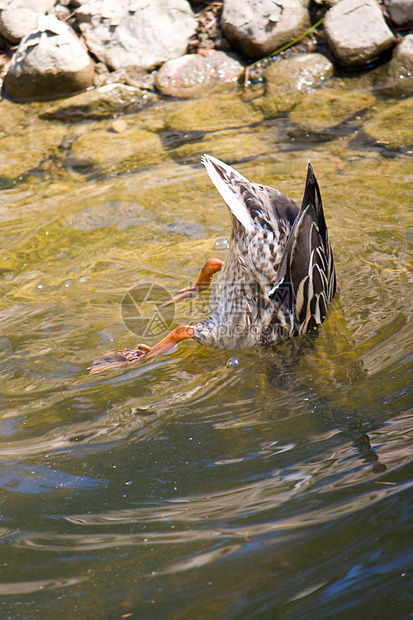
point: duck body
(279, 274)
(277, 279)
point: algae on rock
(392, 127)
(109, 150)
(288, 80)
(212, 114)
(329, 107)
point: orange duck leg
(204, 280)
(114, 359)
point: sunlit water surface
(252, 483)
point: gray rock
(18, 18)
(396, 78)
(259, 27)
(400, 11)
(289, 79)
(356, 32)
(49, 63)
(194, 75)
(123, 33)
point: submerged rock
(214, 113)
(19, 18)
(141, 33)
(290, 78)
(231, 145)
(260, 28)
(392, 127)
(109, 151)
(356, 32)
(396, 78)
(49, 63)
(102, 102)
(329, 107)
(24, 144)
(193, 75)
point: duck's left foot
(205, 278)
(114, 359)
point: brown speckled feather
(279, 275)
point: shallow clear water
(251, 483)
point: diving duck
(276, 281)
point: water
(251, 483)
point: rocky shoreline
(69, 46)
(94, 118)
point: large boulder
(123, 33)
(19, 18)
(49, 63)
(260, 28)
(193, 75)
(356, 32)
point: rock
(20, 17)
(136, 32)
(25, 144)
(289, 79)
(329, 107)
(396, 78)
(114, 152)
(356, 32)
(132, 76)
(49, 63)
(260, 28)
(214, 113)
(230, 145)
(99, 103)
(392, 127)
(194, 75)
(400, 11)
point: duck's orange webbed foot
(114, 359)
(205, 278)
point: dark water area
(271, 482)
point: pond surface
(248, 483)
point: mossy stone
(392, 126)
(108, 150)
(212, 114)
(329, 107)
(99, 103)
(289, 79)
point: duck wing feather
(307, 265)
